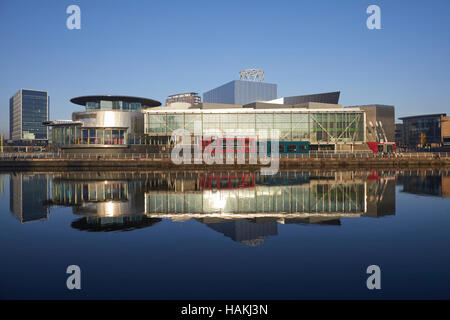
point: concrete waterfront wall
(295, 163)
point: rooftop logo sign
(252, 75)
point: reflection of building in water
(108, 201)
(105, 224)
(380, 194)
(248, 231)
(445, 186)
(284, 193)
(236, 204)
(244, 206)
(431, 183)
(28, 193)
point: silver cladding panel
(134, 121)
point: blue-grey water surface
(233, 235)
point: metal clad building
(109, 124)
(241, 92)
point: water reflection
(108, 201)
(243, 206)
(28, 192)
(425, 183)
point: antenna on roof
(252, 75)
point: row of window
(76, 193)
(343, 126)
(317, 198)
(113, 105)
(72, 135)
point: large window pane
(100, 136)
(92, 136)
(85, 136)
(115, 136)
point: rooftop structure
(249, 88)
(252, 75)
(328, 97)
(190, 97)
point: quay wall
(296, 163)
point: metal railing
(135, 156)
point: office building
(28, 109)
(399, 134)
(426, 130)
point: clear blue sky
(156, 48)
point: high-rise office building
(28, 109)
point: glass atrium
(316, 126)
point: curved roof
(144, 101)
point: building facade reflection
(426, 183)
(244, 206)
(107, 201)
(247, 207)
(28, 193)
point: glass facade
(28, 109)
(336, 126)
(74, 135)
(422, 130)
(34, 112)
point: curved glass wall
(72, 193)
(302, 126)
(73, 135)
(113, 105)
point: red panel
(373, 146)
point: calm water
(166, 235)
